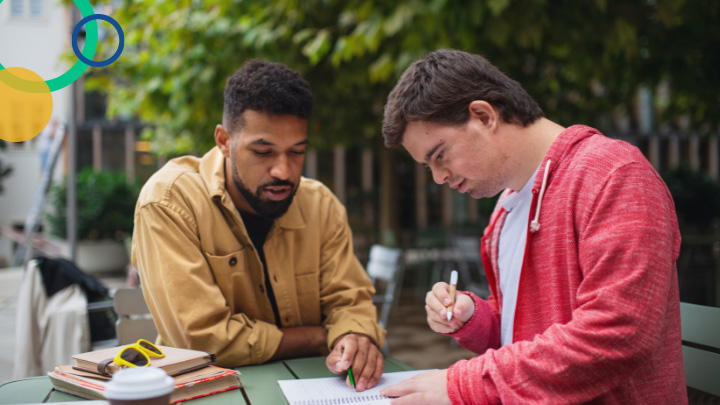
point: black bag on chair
(60, 273)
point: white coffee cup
(140, 385)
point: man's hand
(436, 303)
(360, 352)
(427, 388)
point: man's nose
(440, 176)
(280, 169)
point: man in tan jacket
(241, 256)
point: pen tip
(449, 315)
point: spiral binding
(339, 401)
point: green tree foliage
(105, 206)
(581, 60)
(696, 195)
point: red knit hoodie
(598, 313)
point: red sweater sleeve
(482, 331)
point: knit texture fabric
(598, 313)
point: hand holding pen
(447, 311)
(358, 357)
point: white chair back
(385, 264)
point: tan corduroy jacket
(203, 280)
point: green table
(259, 384)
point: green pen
(352, 379)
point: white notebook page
(332, 390)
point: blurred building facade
(35, 33)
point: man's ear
(223, 140)
(485, 113)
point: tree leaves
(178, 54)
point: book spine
(78, 381)
(175, 401)
(206, 379)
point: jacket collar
(562, 145)
(212, 171)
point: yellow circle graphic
(23, 115)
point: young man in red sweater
(580, 251)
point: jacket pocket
(307, 287)
(232, 276)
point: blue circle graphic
(76, 32)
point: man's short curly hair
(269, 87)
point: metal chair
(384, 264)
(134, 319)
(701, 348)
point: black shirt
(258, 229)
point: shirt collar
(514, 198)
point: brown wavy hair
(440, 87)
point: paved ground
(409, 338)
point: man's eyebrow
(432, 152)
(261, 141)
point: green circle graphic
(72, 74)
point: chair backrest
(701, 346)
(134, 319)
(384, 263)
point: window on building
(36, 8)
(17, 8)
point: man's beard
(267, 209)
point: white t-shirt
(511, 252)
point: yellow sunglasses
(137, 354)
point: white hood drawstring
(535, 224)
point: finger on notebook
(412, 399)
(368, 371)
(379, 367)
(397, 390)
(358, 366)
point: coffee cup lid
(139, 383)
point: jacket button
(262, 289)
(233, 261)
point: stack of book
(193, 371)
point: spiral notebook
(332, 390)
